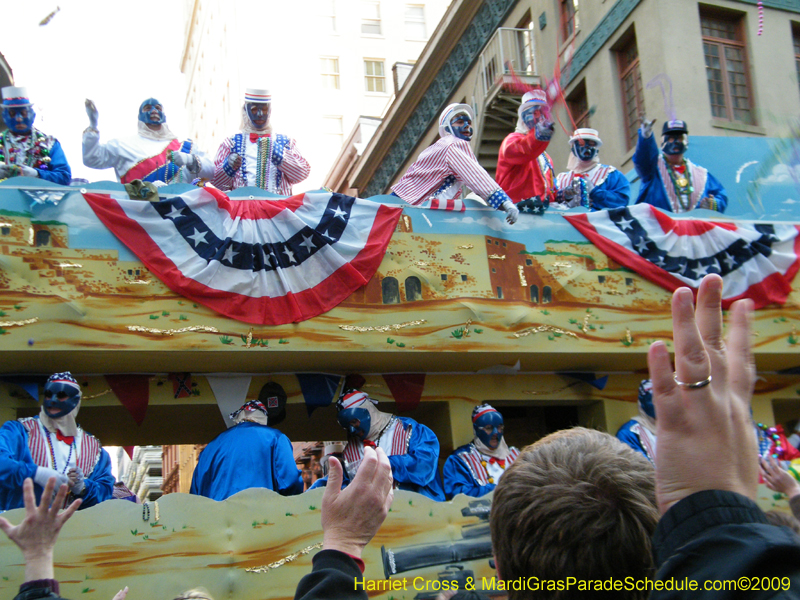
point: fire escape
(507, 59)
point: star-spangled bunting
(755, 260)
(268, 262)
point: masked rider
(257, 158)
(475, 469)
(24, 150)
(435, 179)
(413, 448)
(670, 181)
(154, 155)
(588, 183)
(53, 445)
(524, 169)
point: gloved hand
(512, 212)
(568, 193)
(234, 161)
(5, 171)
(76, 481)
(43, 474)
(544, 130)
(647, 127)
(29, 171)
(184, 159)
(91, 111)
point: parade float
(145, 303)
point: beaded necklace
(682, 185)
(264, 153)
(53, 452)
(33, 149)
(770, 436)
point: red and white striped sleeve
(221, 180)
(294, 167)
(465, 165)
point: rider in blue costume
(53, 445)
(669, 181)
(475, 469)
(640, 432)
(24, 150)
(412, 448)
(248, 455)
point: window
(726, 67)
(601, 279)
(329, 67)
(528, 262)
(390, 290)
(327, 16)
(371, 18)
(630, 79)
(6, 230)
(500, 293)
(578, 105)
(569, 18)
(463, 278)
(413, 289)
(796, 40)
(374, 76)
(525, 46)
(547, 295)
(415, 22)
(444, 276)
(535, 294)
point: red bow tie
(498, 461)
(67, 439)
(679, 169)
(254, 137)
(370, 443)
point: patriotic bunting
(267, 262)
(756, 260)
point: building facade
(323, 75)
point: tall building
(326, 62)
(707, 63)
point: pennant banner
(181, 384)
(406, 389)
(319, 390)
(29, 384)
(133, 392)
(756, 260)
(268, 262)
(230, 393)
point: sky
(117, 53)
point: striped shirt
(440, 171)
(85, 457)
(272, 163)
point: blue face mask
(258, 113)
(61, 396)
(461, 126)
(19, 119)
(584, 151)
(151, 112)
(356, 421)
(675, 145)
(489, 428)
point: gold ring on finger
(694, 385)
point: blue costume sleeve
(58, 170)
(614, 192)
(287, 478)
(100, 484)
(714, 188)
(459, 480)
(15, 465)
(645, 159)
(419, 466)
(628, 437)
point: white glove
(234, 161)
(647, 127)
(76, 481)
(512, 212)
(183, 159)
(91, 111)
(29, 171)
(43, 474)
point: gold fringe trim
(498, 256)
(283, 561)
(384, 328)
(198, 328)
(522, 279)
(465, 247)
(19, 323)
(103, 393)
(541, 329)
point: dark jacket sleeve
(40, 589)
(333, 575)
(716, 536)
